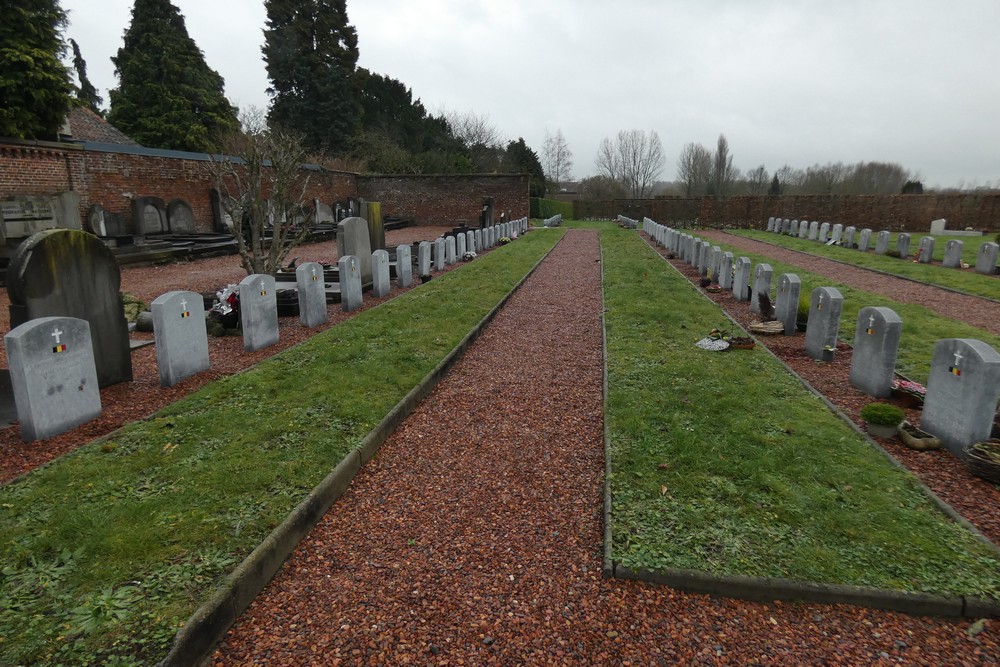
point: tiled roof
(85, 125)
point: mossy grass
(109, 549)
(724, 463)
(963, 281)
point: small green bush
(803, 310)
(882, 414)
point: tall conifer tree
(167, 96)
(87, 95)
(311, 54)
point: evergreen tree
(311, 53)
(167, 96)
(775, 188)
(35, 89)
(521, 159)
(87, 95)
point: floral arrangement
(504, 240)
(469, 256)
(909, 387)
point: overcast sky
(795, 82)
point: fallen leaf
(976, 627)
(663, 466)
(663, 490)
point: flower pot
(881, 430)
(908, 400)
(983, 459)
(916, 439)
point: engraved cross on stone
(820, 302)
(958, 357)
(57, 335)
(871, 321)
(184, 305)
(314, 272)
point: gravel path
(978, 312)
(474, 537)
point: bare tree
(723, 172)
(694, 169)
(789, 179)
(473, 130)
(558, 159)
(600, 187)
(635, 159)
(875, 178)
(757, 181)
(264, 191)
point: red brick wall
(446, 199)
(43, 165)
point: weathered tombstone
(824, 233)
(824, 322)
(849, 235)
(962, 392)
(986, 260)
(726, 271)
(803, 229)
(770, 224)
(311, 290)
(926, 253)
(837, 233)
(786, 301)
(349, 269)
(68, 273)
(478, 235)
(353, 239)
(324, 213)
(903, 245)
(793, 229)
(714, 263)
(876, 345)
(376, 231)
(866, 240)
(882, 243)
(953, 254)
(938, 226)
(786, 225)
(439, 254)
(470, 242)
(404, 266)
(460, 246)
(741, 280)
(258, 311)
(149, 216)
(181, 337)
(813, 230)
(449, 250)
(180, 217)
(424, 259)
(761, 285)
(53, 375)
(705, 258)
(220, 217)
(381, 282)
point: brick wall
(912, 213)
(447, 199)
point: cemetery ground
(445, 550)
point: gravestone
(837, 233)
(104, 223)
(324, 213)
(824, 232)
(258, 311)
(714, 264)
(311, 290)
(876, 345)
(986, 260)
(353, 239)
(761, 284)
(449, 250)
(424, 259)
(824, 321)
(803, 229)
(770, 224)
(786, 225)
(404, 266)
(220, 217)
(180, 217)
(376, 230)
(866, 240)
(24, 215)
(903, 245)
(793, 230)
(439, 254)
(741, 280)
(849, 235)
(726, 271)
(962, 392)
(953, 254)
(381, 282)
(813, 230)
(349, 269)
(695, 254)
(53, 375)
(882, 243)
(705, 258)
(149, 216)
(786, 301)
(460, 246)
(926, 253)
(68, 273)
(470, 242)
(181, 337)
(478, 235)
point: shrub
(803, 310)
(882, 414)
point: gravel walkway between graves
(978, 312)
(474, 537)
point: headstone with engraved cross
(312, 294)
(258, 311)
(962, 392)
(876, 346)
(181, 337)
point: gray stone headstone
(953, 254)
(424, 258)
(705, 258)
(741, 280)
(837, 233)
(726, 271)
(222, 221)
(68, 273)
(311, 290)
(258, 311)
(180, 217)
(449, 250)
(404, 266)
(813, 230)
(786, 226)
(349, 269)
(770, 224)
(876, 346)
(181, 337)
(786, 301)
(714, 263)
(824, 232)
(96, 221)
(460, 246)
(824, 322)
(470, 242)
(381, 283)
(866, 240)
(903, 245)
(803, 229)
(849, 235)
(478, 234)
(793, 229)
(926, 252)
(353, 239)
(761, 285)
(149, 216)
(962, 392)
(324, 213)
(695, 255)
(882, 243)
(439, 254)
(53, 375)
(986, 260)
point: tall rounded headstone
(876, 346)
(962, 392)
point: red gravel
(474, 537)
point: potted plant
(882, 419)
(983, 459)
(911, 394)
(914, 438)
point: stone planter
(881, 430)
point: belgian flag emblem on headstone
(955, 370)
(59, 348)
(186, 313)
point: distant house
(82, 125)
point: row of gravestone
(837, 234)
(53, 362)
(964, 383)
(554, 221)
(628, 223)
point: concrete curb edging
(607, 564)
(206, 627)
(766, 589)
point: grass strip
(969, 281)
(724, 463)
(108, 550)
